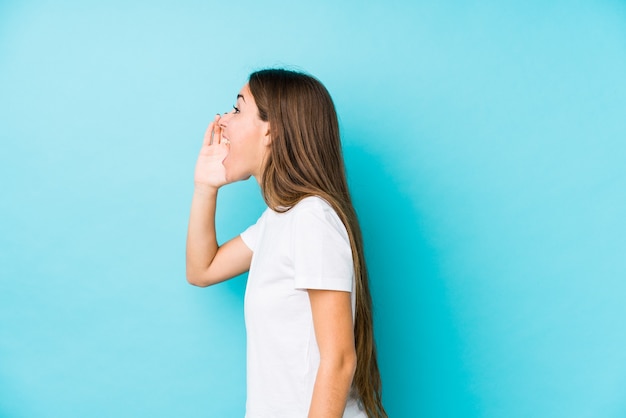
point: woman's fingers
(213, 133)
(217, 131)
(208, 135)
(209, 167)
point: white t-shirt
(306, 247)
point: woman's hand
(210, 171)
(208, 263)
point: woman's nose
(224, 119)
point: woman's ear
(267, 138)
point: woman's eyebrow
(239, 95)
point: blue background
(485, 144)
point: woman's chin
(231, 178)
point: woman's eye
(236, 109)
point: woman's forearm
(332, 387)
(201, 239)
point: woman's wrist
(205, 189)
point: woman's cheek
(230, 167)
(228, 163)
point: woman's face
(248, 136)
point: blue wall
(486, 148)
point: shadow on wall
(420, 354)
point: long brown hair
(305, 159)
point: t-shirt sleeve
(251, 234)
(322, 254)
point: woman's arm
(207, 263)
(332, 319)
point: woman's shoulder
(316, 205)
(313, 202)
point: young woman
(310, 342)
